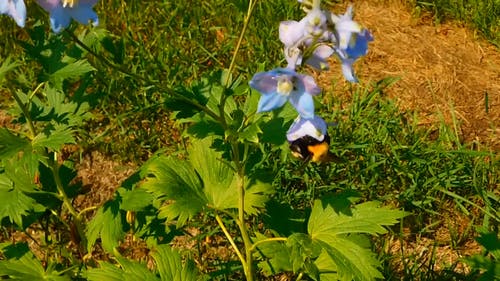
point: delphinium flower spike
(16, 9)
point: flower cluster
(61, 11)
(311, 41)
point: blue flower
(309, 32)
(16, 9)
(352, 42)
(282, 84)
(61, 12)
(315, 127)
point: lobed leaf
(351, 261)
(220, 181)
(174, 180)
(170, 266)
(11, 144)
(365, 218)
(106, 224)
(27, 267)
(54, 138)
(72, 70)
(128, 271)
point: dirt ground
(444, 70)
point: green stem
(316, 4)
(25, 111)
(246, 20)
(282, 239)
(247, 242)
(230, 238)
(54, 166)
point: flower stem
(246, 20)
(230, 238)
(25, 111)
(53, 165)
(316, 4)
(282, 239)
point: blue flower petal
(359, 46)
(264, 82)
(348, 71)
(16, 9)
(315, 127)
(83, 13)
(308, 85)
(271, 101)
(303, 103)
(59, 19)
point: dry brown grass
(444, 70)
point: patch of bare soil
(445, 70)
(100, 176)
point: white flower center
(69, 3)
(285, 85)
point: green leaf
(168, 178)
(303, 250)
(13, 202)
(489, 264)
(220, 181)
(54, 138)
(351, 260)
(365, 218)
(170, 266)
(11, 144)
(216, 175)
(338, 230)
(275, 256)
(135, 200)
(7, 66)
(128, 271)
(16, 183)
(73, 70)
(27, 267)
(106, 224)
(250, 133)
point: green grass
(482, 15)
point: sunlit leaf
(134, 200)
(107, 224)
(54, 138)
(11, 144)
(170, 265)
(250, 133)
(13, 202)
(339, 230)
(365, 218)
(174, 181)
(275, 256)
(352, 261)
(27, 267)
(221, 182)
(126, 271)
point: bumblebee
(311, 149)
